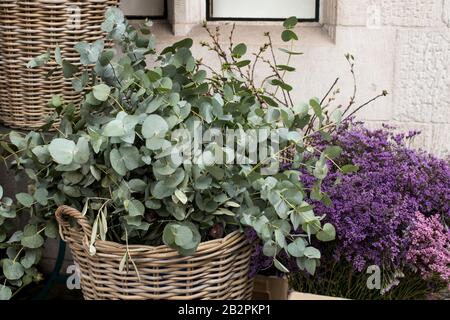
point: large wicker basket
(218, 270)
(29, 28)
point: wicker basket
(218, 270)
(29, 28)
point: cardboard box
(270, 288)
(306, 296)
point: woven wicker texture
(218, 270)
(29, 28)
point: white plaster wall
(408, 54)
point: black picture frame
(209, 17)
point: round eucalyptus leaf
(183, 236)
(146, 159)
(25, 199)
(101, 92)
(51, 230)
(294, 196)
(41, 153)
(290, 22)
(312, 253)
(154, 126)
(12, 270)
(5, 292)
(280, 266)
(328, 233)
(161, 168)
(130, 156)
(297, 248)
(177, 210)
(169, 234)
(115, 128)
(166, 83)
(30, 258)
(310, 266)
(181, 196)
(239, 50)
(117, 162)
(270, 248)
(320, 170)
(72, 191)
(41, 196)
(175, 179)
(62, 150)
(82, 152)
(288, 35)
(203, 182)
(155, 143)
(137, 185)
(154, 104)
(134, 207)
(282, 209)
(34, 241)
(161, 191)
(153, 204)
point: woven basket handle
(64, 212)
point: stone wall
(421, 63)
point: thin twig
(355, 88)
(257, 57)
(329, 91)
(284, 72)
(275, 63)
(383, 94)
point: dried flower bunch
(373, 208)
(392, 212)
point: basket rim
(143, 247)
(86, 230)
(208, 245)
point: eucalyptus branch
(284, 72)
(277, 75)
(115, 75)
(328, 158)
(293, 144)
(217, 47)
(230, 48)
(314, 117)
(118, 103)
(213, 72)
(274, 68)
(258, 55)
(233, 28)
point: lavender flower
(258, 261)
(374, 209)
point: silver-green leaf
(62, 150)
(101, 92)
